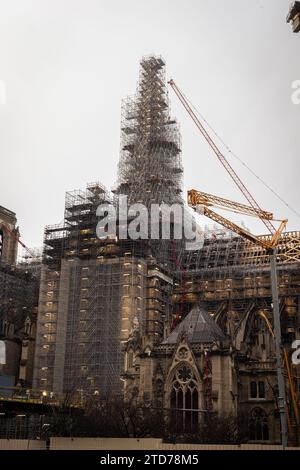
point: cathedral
(188, 332)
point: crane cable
(240, 160)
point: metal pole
(278, 346)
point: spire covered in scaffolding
(150, 169)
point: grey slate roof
(198, 326)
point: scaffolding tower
(150, 169)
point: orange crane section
(199, 202)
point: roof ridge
(199, 327)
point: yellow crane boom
(196, 197)
(199, 202)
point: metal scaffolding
(94, 293)
(106, 303)
(150, 169)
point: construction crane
(201, 202)
(16, 236)
(232, 173)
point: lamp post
(278, 350)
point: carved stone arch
(259, 424)
(174, 369)
(134, 342)
(184, 389)
(183, 352)
(130, 353)
(184, 397)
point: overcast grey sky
(66, 65)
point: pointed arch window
(258, 425)
(184, 400)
